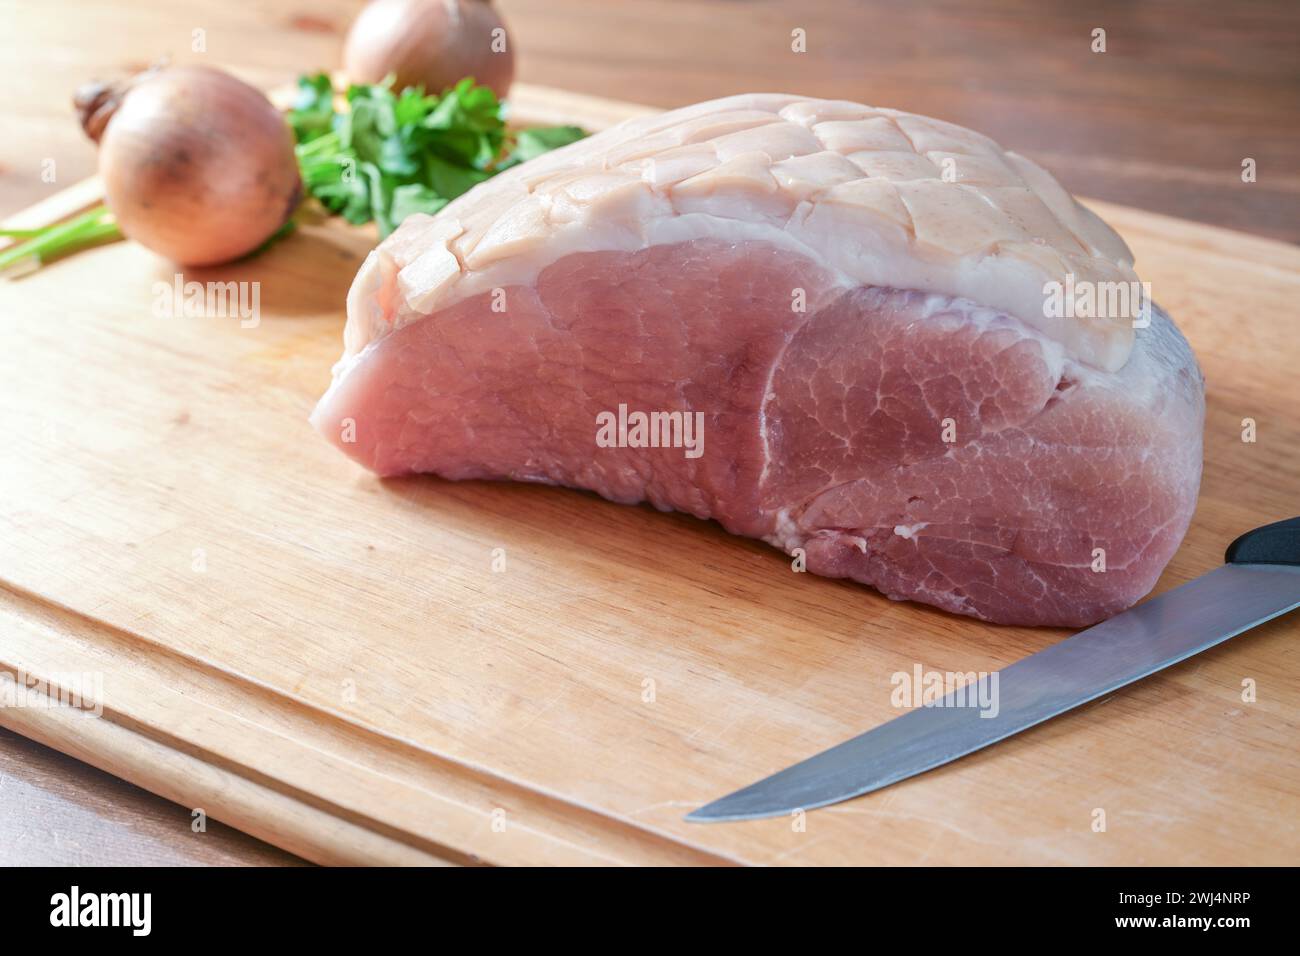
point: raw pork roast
(862, 338)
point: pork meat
(820, 324)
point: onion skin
(429, 43)
(197, 165)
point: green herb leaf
(313, 109)
(414, 197)
(393, 154)
(531, 143)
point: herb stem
(94, 225)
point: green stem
(322, 145)
(94, 225)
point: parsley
(392, 154)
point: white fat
(860, 192)
(909, 530)
(1000, 283)
(785, 534)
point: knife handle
(1276, 543)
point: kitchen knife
(1259, 581)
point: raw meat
(818, 323)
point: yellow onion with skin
(430, 43)
(197, 165)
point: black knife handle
(1276, 543)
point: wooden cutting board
(330, 661)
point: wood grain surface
(1161, 120)
(89, 818)
(331, 662)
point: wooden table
(1162, 120)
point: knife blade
(1260, 581)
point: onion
(196, 164)
(430, 43)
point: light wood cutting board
(330, 662)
